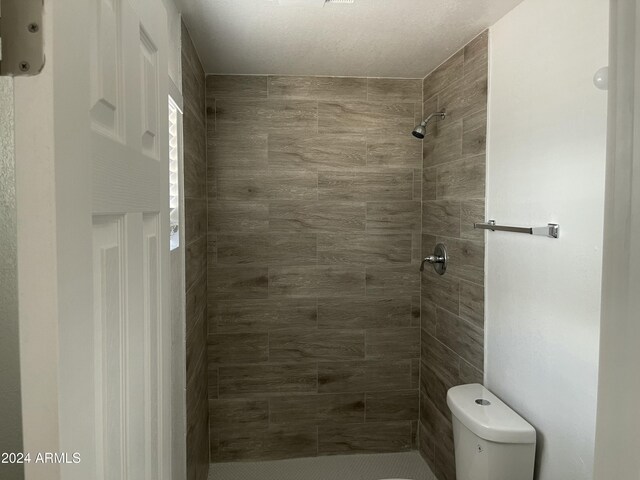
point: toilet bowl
(492, 442)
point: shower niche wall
(314, 192)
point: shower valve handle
(438, 259)
(432, 259)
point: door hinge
(21, 36)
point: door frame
(618, 423)
(37, 259)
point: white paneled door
(93, 143)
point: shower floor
(406, 465)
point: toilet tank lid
(487, 416)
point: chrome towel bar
(552, 230)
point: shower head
(421, 130)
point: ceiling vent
(298, 3)
(309, 3)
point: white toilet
(492, 442)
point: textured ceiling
(374, 38)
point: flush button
(483, 402)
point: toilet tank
(492, 442)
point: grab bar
(552, 230)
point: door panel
(109, 284)
(152, 260)
(106, 69)
(93, 135)
(149, 79)
(130, 179)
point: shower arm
(442, 116)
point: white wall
(546, 163)
(10, 399)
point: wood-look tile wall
(195, 193)
(314, 203)
(452, 344)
